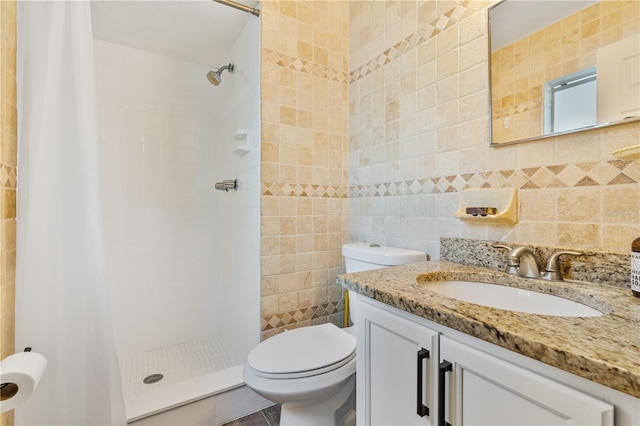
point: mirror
(562, 66)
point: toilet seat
(302, 352)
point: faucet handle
(552, 271)
(512, 264)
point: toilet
(310, 371)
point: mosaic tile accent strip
(304, 66)
(302, 314)
(612, 172)
(303, 190)
(441, 23)
(517, 109)
(8, 176)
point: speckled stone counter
(604, 349)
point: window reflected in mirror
(570, 102)
(561, 66)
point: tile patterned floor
(176, 363)
(268, 417)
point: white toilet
(311, 370)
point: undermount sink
(510, 298)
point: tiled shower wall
(8, 163)
(304, 161)
(157, 129)
(418, 131)
(520, 69)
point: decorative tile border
(8, 176)
(303, 190)
(302, 314)
(517, 109)
(612, 172)
(441, 23)
(301, 65)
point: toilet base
(338, 409)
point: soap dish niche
(628, 153)
(243, 142)
(489, 205)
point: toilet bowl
(310, 371)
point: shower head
(214, 76)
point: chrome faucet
(522, 261)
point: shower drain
(152, 378)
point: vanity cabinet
(396, 369)
(469, 381)
(481, 389)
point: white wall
(239, 213)
(160, 161)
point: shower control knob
(227, 184)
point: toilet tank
(365, 257)
(360, 257)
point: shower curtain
(61, 301)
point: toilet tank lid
(382, 255)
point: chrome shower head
(214, 76)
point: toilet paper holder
(20, 374)
(8, 390)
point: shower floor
(176, 363)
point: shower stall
(182, 259)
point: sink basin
(511, 298)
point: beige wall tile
(8, 163)
(538, 205)
(621, 203)
(619, 237)
(578, 235)
(304, 121)
(579, 204)
(543, 233)
(564, 182)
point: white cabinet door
(482, 389)
(391, 350)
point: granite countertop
(604, 349)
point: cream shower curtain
(61, 301)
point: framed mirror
(562, 66)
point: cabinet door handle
(444, 368)
(422, 410)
